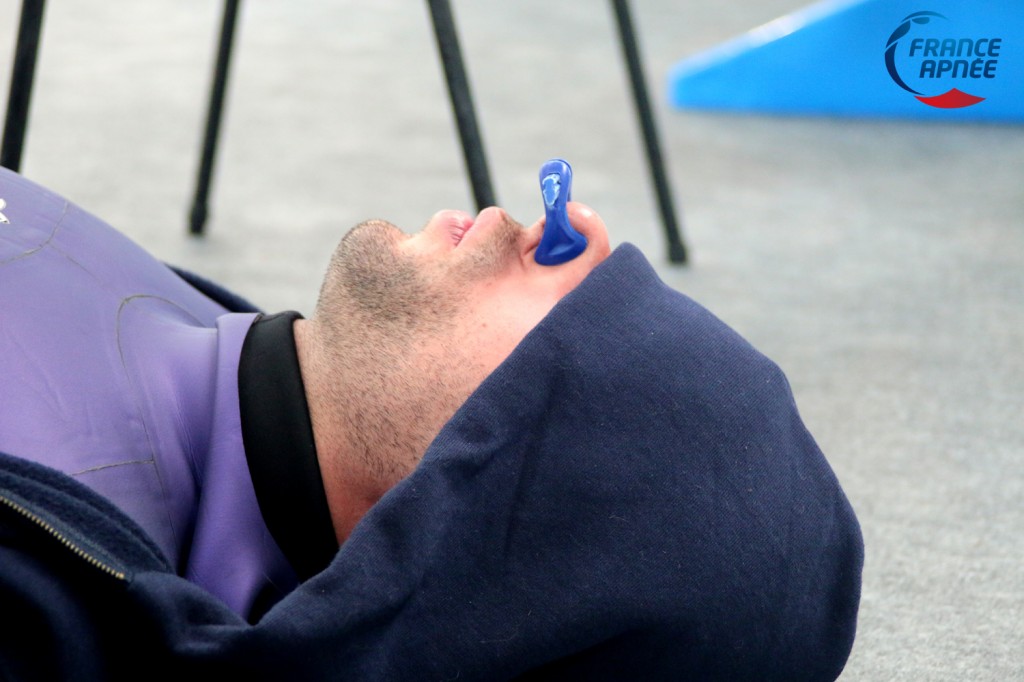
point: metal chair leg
(197, 216)
(30, 28)
(676, 248)
(462, 102)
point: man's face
(463, 282)
(421, 320)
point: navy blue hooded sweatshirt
(631, 495)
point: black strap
(280, 448)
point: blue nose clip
(560, 242)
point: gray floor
(880, 263)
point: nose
(587, 222)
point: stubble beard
(393, 323)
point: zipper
(60, 537)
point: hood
(632, 494)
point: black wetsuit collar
(279, 445)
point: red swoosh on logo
(954, 99)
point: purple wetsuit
(116, 371)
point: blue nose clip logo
(560, 242)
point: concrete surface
(880, 263)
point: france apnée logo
(935, 58)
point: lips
(488, 218)
(456, 224)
